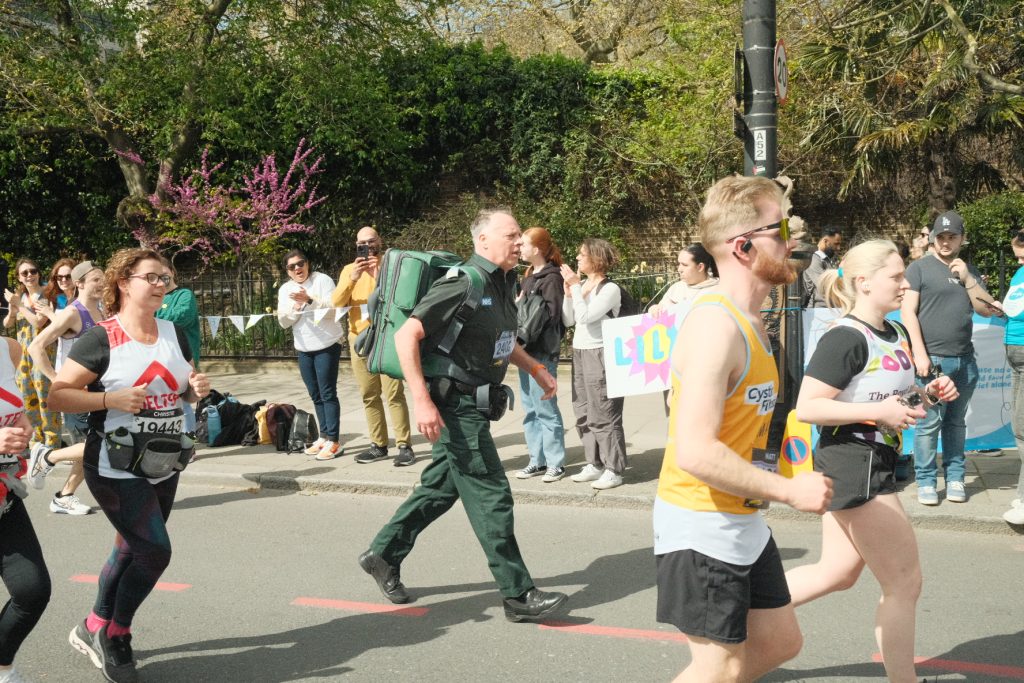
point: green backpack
(404, 277)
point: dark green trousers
(464, 465)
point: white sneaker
(315, 447)
(955, 492)
(37, 467)
(1015, 515)
(69, 505)
(608, 480)
(588, 473)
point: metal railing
(223, 292)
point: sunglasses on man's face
(782, 226)
(296, 265)
(29, 271)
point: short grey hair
(483, 219)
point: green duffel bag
(404, 277)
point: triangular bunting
(239, 322)
(214, 322)
(364, 311)
(340, 313)
(319, 314)
(253, 319)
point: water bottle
(212, 423)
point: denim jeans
(319, 371)
(542, 423)
(1015, 359)
(949, 419)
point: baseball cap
(948, 222)
(79, 272)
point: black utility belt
(492, 400)
(148, 455)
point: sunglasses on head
(297, 264)
(29, 271)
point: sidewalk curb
(596, 499)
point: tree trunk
(940, 171)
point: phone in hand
(362, 251)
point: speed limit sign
(781, 73)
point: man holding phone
(355, 284)
(944, 292)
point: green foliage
(991, 222)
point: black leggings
(142, 549)
(24, 574)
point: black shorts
(860, 470)
(708, 598)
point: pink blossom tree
(241, 223)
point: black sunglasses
(64, 277)
(29, 271)
(296, 265)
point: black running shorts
(708, 598)
(860, 470)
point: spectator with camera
(355, 284)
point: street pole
(764, 83)
(760, 109)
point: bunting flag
(214, 322)
(247, 322)
(364, 311)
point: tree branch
(988, 81)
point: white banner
(638, 351)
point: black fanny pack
(148, 455)
(492, 400)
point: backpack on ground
(279, 423)
(303, 431)
(405, 276)
(627, 304)
(237, 423)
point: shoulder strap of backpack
(610, 313)
(468, 307)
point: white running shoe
(608, 480)
(588, 473)
(69, 505)
(316, 446)
(37, 467)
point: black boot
(533, 605)
(388, 578)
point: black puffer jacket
(542, 340)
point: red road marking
(614, 631)
(366, 607)
(160, 585)
(958, 666)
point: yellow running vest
(745, 421)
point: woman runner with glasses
(132, 373)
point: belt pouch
(188, 449)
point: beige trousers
(375, 389)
